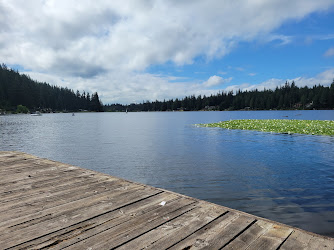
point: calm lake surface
(286, 178)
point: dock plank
(108, 198)
(60, 188)
(75, 213)
(129, 230)
(51, 205)
(40, 172)
(70, 235)
(10, 156)
(272, 238)
(177, 229)
(31, 207)
(299, 240)
(208, 235)
(42, 185)
(250, 235)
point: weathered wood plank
(23, 170)
(56, 173)
(8, 156)
(272, 238)
(297, 240)
(10, 192)
(139, 225)
(73, 213)
(216, 233)
(321, 243)
(178, 228)
(25, 180)
(34, 171)
(14, 198)
(63, 206)
(235, 228)
(123, 222)
(70, 235)
(250, 235)
(300, 240)
(49, 200)
(59, 206)
(35, 174)
(18, 165)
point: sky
(131, 51)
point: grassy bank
(312, 127)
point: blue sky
(257, 61)
(135, 50)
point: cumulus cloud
(134, 34)
(128, 87)
(216, 80)
(324, 78)
(95, 42)
(142, 86)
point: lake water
(286, 178)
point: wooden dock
(48, 204)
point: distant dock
(52, 205)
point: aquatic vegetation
(312, 127)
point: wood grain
(51, 205)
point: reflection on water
(287, 178)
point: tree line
(288, 96)
(19, 90)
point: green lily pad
(310, 127)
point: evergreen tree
(289, 96)
(96, 104)
(17, 89)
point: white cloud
(216, 80)
(125, 88)
(324, 78)
(134, 34)
(129, 87)
(329, 52)
(107, 45)
(311, 38)
(281, 39)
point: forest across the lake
(20, 93)
(288, 96)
